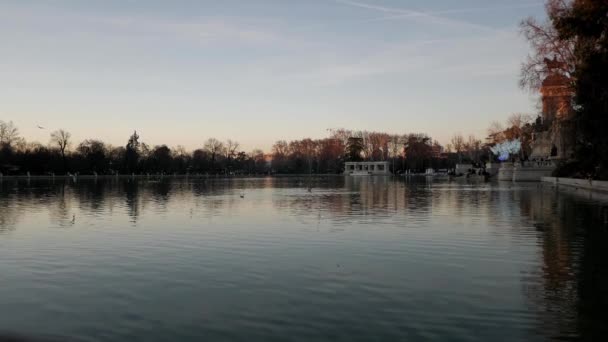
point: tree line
(413, 151)
(61, 156)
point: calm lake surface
(356, 259)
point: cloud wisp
(457, 11)
(437, 17)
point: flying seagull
(39, 126)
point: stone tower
(556, 91)
(554, 136)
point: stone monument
(553, 137)
(554, 130)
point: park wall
(578, 183)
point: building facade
(366, 168)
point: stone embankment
(586, 184)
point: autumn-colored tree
(330, 155)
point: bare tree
(367, 146)
(519, 120)
(231, 147)
(341, 134)
(516, 124)
(180, 151)
(259, 161)
(214, 147)
(61, 139)
(280, 148)
(309, 149)
(495, 133)
(546, 46)
(473, 147)
(379, 145)
(8, 133)
(457, 142)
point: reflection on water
(355, 259)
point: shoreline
(157, 176)
(585, 184)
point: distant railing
(536, 163)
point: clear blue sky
(260, 70)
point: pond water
(264, 259)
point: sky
(256, 71)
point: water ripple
(355, 259)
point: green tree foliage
(418, 151)
(132, 151)
(160, 159)
(94, 155)
(586, 23)
(354, 148)
(304, 156)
